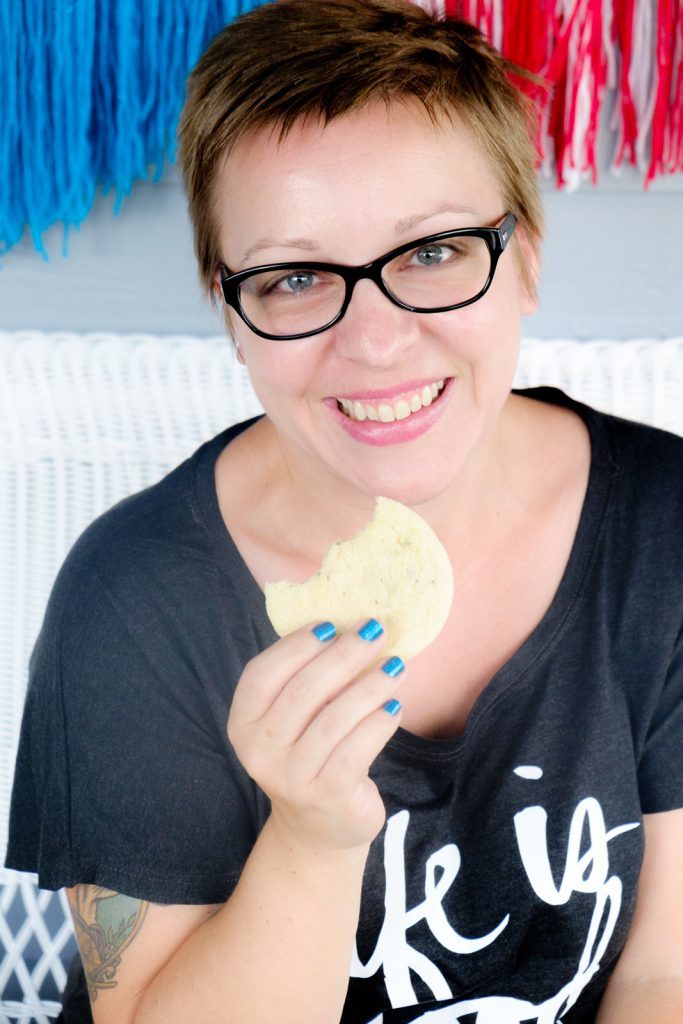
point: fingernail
(371, 630)
(324, 631)
(393, 667)
(392, 707)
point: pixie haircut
(294, 60)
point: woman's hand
(309, 716)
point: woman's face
(348, 193)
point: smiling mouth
(389, 412)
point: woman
(459, 841)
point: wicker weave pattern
(640, 380)
(20, 892)
(88, 419)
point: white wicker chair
(85, 420)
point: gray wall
(613, 266)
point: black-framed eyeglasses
(434, 274)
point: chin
(414, 491)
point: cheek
(281, 370)
(484, 338)
(487, 328)
(512, 292)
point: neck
(318, 506)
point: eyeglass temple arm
(506, 228)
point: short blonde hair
(295, 59)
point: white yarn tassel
(497, 15)
(642, 76)
(435, 7)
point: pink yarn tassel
(665, 146)
(580, 48)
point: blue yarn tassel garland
(90, 93)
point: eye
(286, 283)
(294, 281)
(432, 254)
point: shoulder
(141, 574)
(641, 455)
(644, 448)
(144, 536)
(643, 535)
(153, 596)
(647, 465)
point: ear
(217, 288)
(529, 268)
(227, 314)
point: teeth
(388, 413)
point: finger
(341, 716)
(265, 675)
(344, 775)
(320, 681)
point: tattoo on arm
(106, 924)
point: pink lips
(401, 431)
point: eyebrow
(401, 227)
(307, 244)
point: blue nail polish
(392, 707)
(371, 630)
(324, 631)
(393, 667)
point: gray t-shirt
(502, 887)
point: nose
(374, 330)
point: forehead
(378, 170)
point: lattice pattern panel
(36, 950)
(639, 380)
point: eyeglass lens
(435, 274)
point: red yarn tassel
(622, 33)
(573, 45)
(598, 71)
(665, 151)
(677, 102)
(526, 39)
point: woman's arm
(123, 942)
(279, 950)
(647, 984)
(307, 721)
